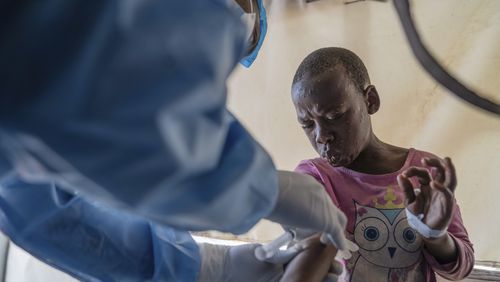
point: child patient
(372, 182)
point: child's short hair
(325, 59)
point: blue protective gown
(115, 139)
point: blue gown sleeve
(125, 107)
(90, 241)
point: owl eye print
(384, 237)
(371, 234)
(407, 238)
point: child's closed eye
(307, 124)
(335, 116)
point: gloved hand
(236, 263)
(304, 207)
(239, 263)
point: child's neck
(379, 158)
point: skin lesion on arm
(313, 263)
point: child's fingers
(420, 204)
(438, 165)
(407, 187)
(426, 196)
(421, 173)
(447, 209)
(438, 186)
(451, 176)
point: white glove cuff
(415, 222)
(213, 259)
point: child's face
(334, 116)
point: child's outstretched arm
(448, 249)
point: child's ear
(372, 99)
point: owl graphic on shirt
(389, 249)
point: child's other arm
(459, 268)
(450, 254)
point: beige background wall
(415, 111)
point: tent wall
(415, 111)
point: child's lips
(332, 158)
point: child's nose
(323, 136)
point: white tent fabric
(22, 267)
(415, 111)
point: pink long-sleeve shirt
(389, 250)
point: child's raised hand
(436, 197)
